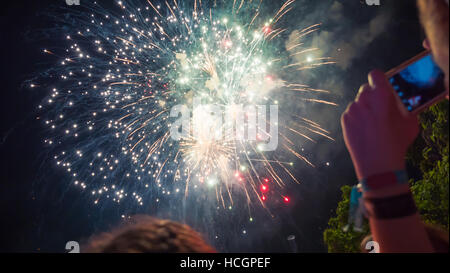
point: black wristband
(392, 207)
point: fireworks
(127, 67)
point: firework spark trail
(124, 71)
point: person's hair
(438, 238)
(144, 234)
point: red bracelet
(379, 181)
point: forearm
(398, 234)
(403, 235)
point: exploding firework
(127, 67)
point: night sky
(40, 212)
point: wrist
(379, 167)
(385, 184)
(392, 207)
(387, 192)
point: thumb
(382, 94)
(377, 79)
(385, 94)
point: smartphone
(418, 83)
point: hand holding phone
(418, 83)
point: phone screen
(419, 83)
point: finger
(382, 95)
(385, 101)
(426, 44)
(363, 96)
(377, 79)
(346, 118)
(345, 115)
(350, 113)
(349, 121)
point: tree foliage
(428, 158)
(338, 240)
(431, 191)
